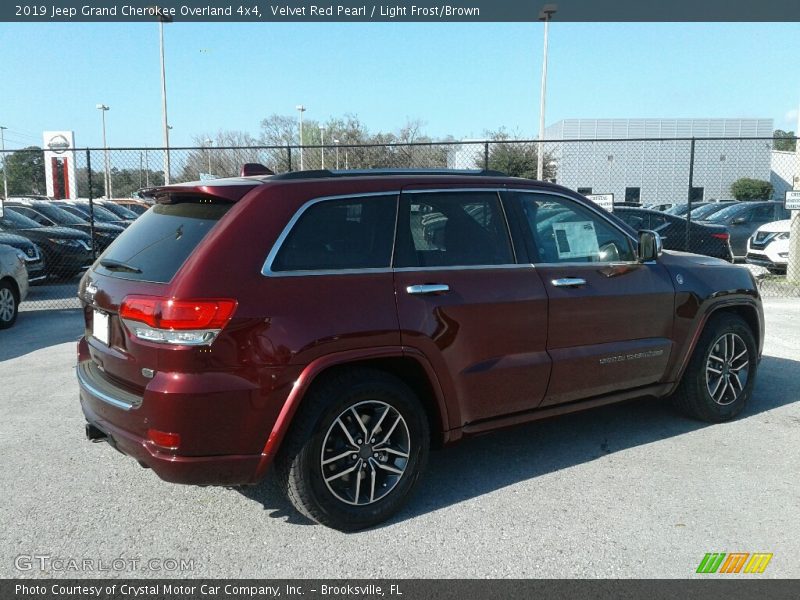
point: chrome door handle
(569, 282)
(428, 288)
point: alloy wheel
(365, 452)
(727, 369)
(7, 305)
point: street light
(547, 13)
(107, 180)
(301, 109)
(3, 149)
(322, 142)
(335, 141)
(209, 143)
(163, 18)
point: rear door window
(452, 228)
(341, 234)
(155, 246)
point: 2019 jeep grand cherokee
(316, 322)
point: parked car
(49, 214)
(83, 210)
(329, 338)
(13, 284)
(683, 208)
(67, 251)
(705, 211)
(768, 247)
(118, 209)
(742, 220)
(135, 206)
(659, 207)
(709, 240)
(34, 258)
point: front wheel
(355, 450)
(721, 373)
(9, 306)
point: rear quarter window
(161, 240)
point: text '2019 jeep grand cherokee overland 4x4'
(338, 324)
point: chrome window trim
(267, 271)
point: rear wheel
(721, 373)
(9, 305)
(355, 450)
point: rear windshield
(155, 246)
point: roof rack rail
(327, 173)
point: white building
(603, 156)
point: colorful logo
(734, 562)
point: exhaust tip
(93, 434)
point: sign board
(59, 164)
(792, 200)
(604, 201)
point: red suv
(339, 324)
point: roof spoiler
(249, 169)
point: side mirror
(739, 221)
(650, 246)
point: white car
(768, 247)
(13, 284)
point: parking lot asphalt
(631, 490)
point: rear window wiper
(116, 265)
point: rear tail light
(175, 321)
(162, 439)
(721, 236)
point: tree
(784, 141)
(751, 189)
(25, 172)
(224, 156)
(517, 159)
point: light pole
(335, 141)
(322, 142)
(209, 143)
(107, 179)
(793, 264)
(301, 109)
(3, 149)
(164, 123)
(547, 13)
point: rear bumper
(192, 470)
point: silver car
(13, 284)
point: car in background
(13, 284)
(744, 218)
(660, 207)
(34, 258)
(768, 247)
(67, 251)
(135, 206)
(680, 210)
(50, 214)
(82, 209)
(703, 212)
(118, 209)
(710, 240)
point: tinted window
(30, 214)
(452, 229)
(763, 214)
(58, 215)
(161, 240)
(12, 220)
(561, 230)
(727, 213)
(353, 233)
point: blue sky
(460, 79)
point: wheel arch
(410, 367)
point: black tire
(299, 465)
(694, 395)
(9, 304)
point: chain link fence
(721, 197)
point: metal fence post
(486, 155)
(91, 203)
(289, 156)
(689, 197)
